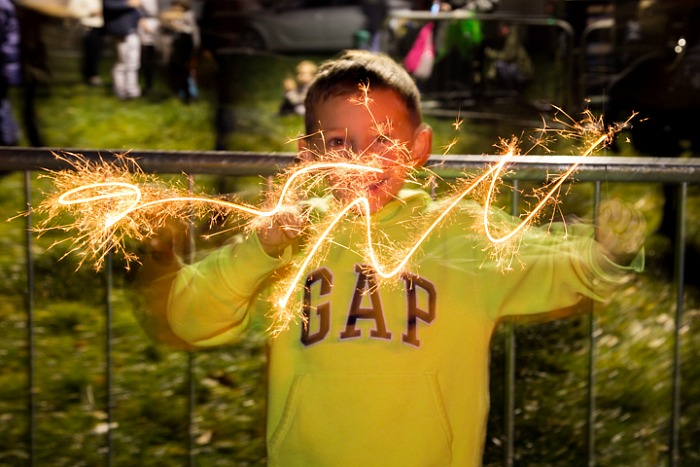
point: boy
(378, 374)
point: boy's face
(372, 129)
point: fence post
(109, 403)
(592, 339)
(679, 279)
(191, 357)
(509, 379)
(29, 303)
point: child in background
(121, 20)
(375, 373)
(295, 88)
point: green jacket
(388, 373)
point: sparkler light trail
(284, 316)
(111, 203)
(139, 205)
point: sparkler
(111, 203)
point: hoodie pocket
(363, 420)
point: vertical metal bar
(109, 403)
(509, 396)
(592, 339)
(509, 379)
(679, 279)
(29, 304)
(191, 359)
(191, 395)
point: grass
(150, 383)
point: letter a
(366, 284)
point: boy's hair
(352, 69)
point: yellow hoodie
(387, 373)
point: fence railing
(681, 173)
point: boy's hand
(289, 84)
(621, 229)
(278, 232)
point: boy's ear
(422, 145)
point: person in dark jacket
(121, 20)
(375, 12)
(10, 71)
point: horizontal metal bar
(531, 167)
(604, 168)
(209, 162)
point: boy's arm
(207, 303)
(559, 269)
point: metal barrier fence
(599, 170)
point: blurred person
(121, 20)
(149, 31)
(35, 70)
(511, 66)
(459, 54)
(89, 12)
(295, 89)
(11, 71)
(420, 59)
(226, 63)
(180, 22)
(375, 12)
